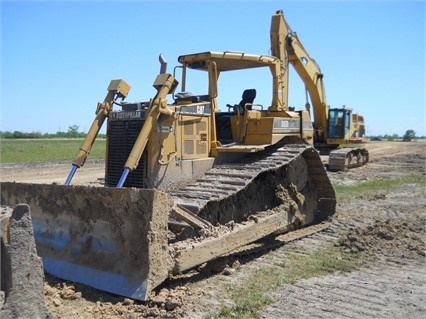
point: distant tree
(73, 131)
(392, 137)
(18, 134)
(60, 134)
(409, 135)
(33, 135)
(6, 134)
(48, 135)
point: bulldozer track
(274, 191)
(225, 180)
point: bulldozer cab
(216, 63)
(247, 123)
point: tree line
(407, 137)
(73, 132)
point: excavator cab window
(338, 122)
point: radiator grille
(122, 136)
(223, 127)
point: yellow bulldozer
(185, 182)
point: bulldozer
(185, 182)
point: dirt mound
(395, 237)
(69, 300)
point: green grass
(35, 150)
(371, 188)
(254, 294)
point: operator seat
(248, 97)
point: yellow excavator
(185, 182)
(333, 127)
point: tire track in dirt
(391, 286)
(382, 290)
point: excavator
(333, 127)
(185, 182)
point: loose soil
(387, 226)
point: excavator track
(343, 159)
(236, 190)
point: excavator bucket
(111, 239)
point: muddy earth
(387, 226)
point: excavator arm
(312, 77)
(278, 34)
(286, 46)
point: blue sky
(57, 57)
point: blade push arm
(165, 84)
(116, 89)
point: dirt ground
(388, 226)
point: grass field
(38, 150)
